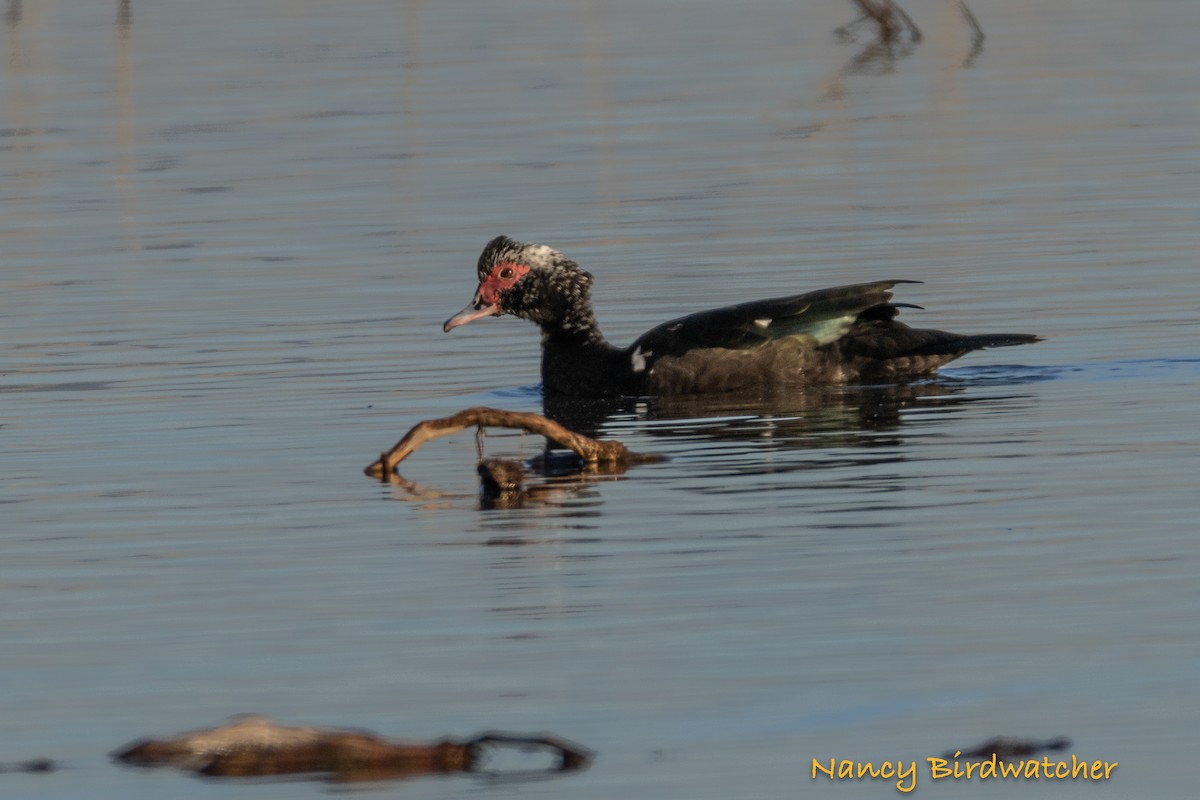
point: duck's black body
(848, 334)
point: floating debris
(502, 483)
(254, 746)
(501, 476)
(1010, 747)
(33, 765)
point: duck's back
(847, 334)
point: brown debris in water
(501, 476)
(1005, 747)
(502, 482)
(596, 454)
(33, 765)
(250, 746)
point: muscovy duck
(847, 334)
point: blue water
(231, 232)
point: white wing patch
(763, 323)
(638, 359)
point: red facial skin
(486, 302)
(502, 278)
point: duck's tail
(949, 343)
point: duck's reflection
(817, 416)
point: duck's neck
(576, 358)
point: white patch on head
(762, 323)
(638, 359)
(675, 327)
(539, 253)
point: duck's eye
(506, 273)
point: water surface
(231, 232)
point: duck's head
(531, 281)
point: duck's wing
(822, 316)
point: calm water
(230, 234)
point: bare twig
(591, 451)
(976, 29)
(889, 17)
